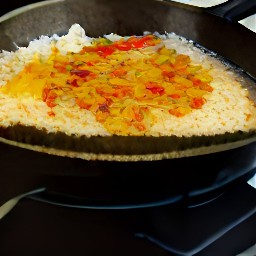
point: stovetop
(224, 226)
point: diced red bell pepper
(141, 42)
(80, 73)
(74, 83)
(155, 88)
(125, 46)
(105, 51)
(175, 96)
(49, 97)
(168, 74)
(197, 102)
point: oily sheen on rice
(228, 107)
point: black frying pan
(197, 172)
(100, 17)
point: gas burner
(200, 230)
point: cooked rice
(228, 107)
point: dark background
(9, 5)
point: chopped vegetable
(118, 82)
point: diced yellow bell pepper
(162, 60)
(119, 81)
(192, 92)
(183, 81)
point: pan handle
(234, 10)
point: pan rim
(26, 8)
(202, 150)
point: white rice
(227, 109)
